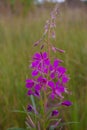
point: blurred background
(21, 24)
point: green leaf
(18, 111)
(67, 123)
(16, 129)
(33, 101)
(51, 128)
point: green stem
(44, 105)
(48, 39)
(44, 91)
(42, 112)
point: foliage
(15, 5)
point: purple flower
(37, 93)
(46, 27)
(29, 83)
(40, 63)
(53, 35)
(56, 71)
(65, 78)
(37, 42)
(56, 63)
(42, 46)
(57, 89)
(35, 86)
(66, 103)
(29, 108)
(48, 79)
(35, 90)
(61, 70)
(55, 113)
(42, 81)
(52, 95)
(35, 72)
(30, 92)
(53, 49)
(59, 50)
(53, 68)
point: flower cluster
(49, 80)
(48, 77)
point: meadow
(17, 35)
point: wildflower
(53, 35)
(46, 27)
(54, 49)
(42, 46)
(48, 79)
(30, 92)
(60, 50)
(29, 83)
(56, 70)
(55, 113)
(40, 63)
(42, 82)
(66, 103)
(57, 89)
(37, 42)
(65, 78)
(36, 93)
(53, 25)
(30, 108)
(35, 86)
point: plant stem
(48, 39)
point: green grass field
(17, 36)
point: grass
(17, 36)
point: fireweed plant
(48, 83)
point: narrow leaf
(16, 129)
(33, 102)
(67, 123)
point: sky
(53, 0)
(58, 0)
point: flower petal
(55, 113)
(51, 84)
(30, 92)
(37, 87)
(29, 83)
(37, 56)
(52, 75)
(44, 54)
(56, 63)
(65, 79)
(61, 69)
(29, 108)
(37, 93)
(35, 63)
(47, 62)
(52, 95)
(66, 103)
(34, 72)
